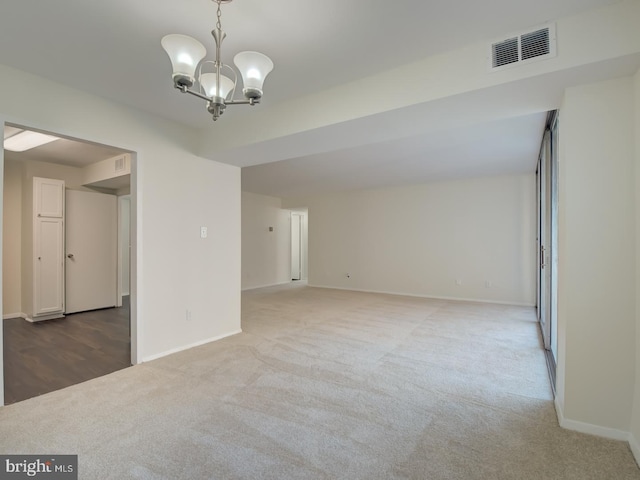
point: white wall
(11, 245)
(72, 176)
(266, 256)
(174, 192)
(597, 251)
(419, 240)
(106, 169)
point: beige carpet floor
(327, 384)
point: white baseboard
(42, 318)
(635, 447)
(14, 315)
(597, 430)
(265, 286)
(431, 297)
(187, 347)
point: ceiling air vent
(535, 44)
(505, 52)
(119, 164)
(526, 47)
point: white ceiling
(112, 49)
(64, 151)
(500, 147)
(70, 153)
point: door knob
(70, 255)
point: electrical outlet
(188, 315)
(488, 284)
(458, 282)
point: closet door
(48, 197)
(48, 248)
(49, 266)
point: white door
(48, 197)
(91, 251)
(49, 266)
(295, 247)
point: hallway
(54, 354)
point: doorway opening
(299, 245)
(90, 333)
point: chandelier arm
(232, 94)
(251, 101)
(195, 94)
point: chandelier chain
(219, 14)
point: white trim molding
(430, 297)
(606, 432)
(268, 285)
(187, 347)
(635, 447)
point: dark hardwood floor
(53, 354)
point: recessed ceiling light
(27, 140)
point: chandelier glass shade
(218, 86)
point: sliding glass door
(547, 193)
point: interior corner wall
(72, 176)
(266, 255)
(470, 239)
(635, 422)
(11, 240)
(125, 242)
(174, 193)
(597, 252)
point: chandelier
(218, 90)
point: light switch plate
(203, 232)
